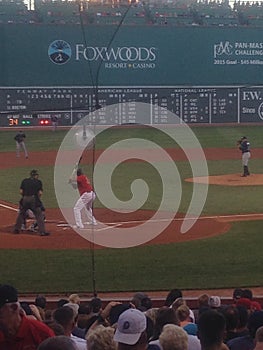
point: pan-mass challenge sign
(238, 53)
(120, 57)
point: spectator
(60, 342)
(178, 302)
(36, 312)
(95, 306)
(78, 332)
(247, 293)
(149, 328)
(237, 294)
(65, 316)
(211, 330)
(245, 302)
(16, 330)
(131, 330)
(146, 304)
(152, 314)
(167, 316)
(242, 321)
(185, 321)
(214, 302)
(138, 298)
(25, 306)
(41, 302)
(254, 322)
(91, 323)
(74, 299)
(83, 316)
(172, 296)
(231, 315)
(56, 327)
(101, 338)
(255, 306)
(173, 338)
(74, 307)
(259, 339)
(116, 311)
(62, 302)
(48, 315)
(107, 317)
(246, 342)
(203, 305)
(164, 316)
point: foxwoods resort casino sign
(121, 57)
(238, 53)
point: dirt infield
(230, 180)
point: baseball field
(221, 249)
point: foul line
(115, 224)
(8, 207)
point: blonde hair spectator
(173, 338)
(183, 313)
(74, 299)
(101, 338)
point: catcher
(30, 215)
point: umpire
(31, 189)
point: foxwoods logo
(122, 54)
(223, 48)
(60, 52)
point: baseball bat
(75, 169)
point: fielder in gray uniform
(20, 143)
(244, 147)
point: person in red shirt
(18, 332)
(87, 197)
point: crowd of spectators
(134, 325)
(176, 12)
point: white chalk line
(8, 207)
(110, 225)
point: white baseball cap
(130, 325)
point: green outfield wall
(137, 56)
(203, 75)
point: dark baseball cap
(8, 294)
(33, 172)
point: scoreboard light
(44, 122)
(26, 122)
